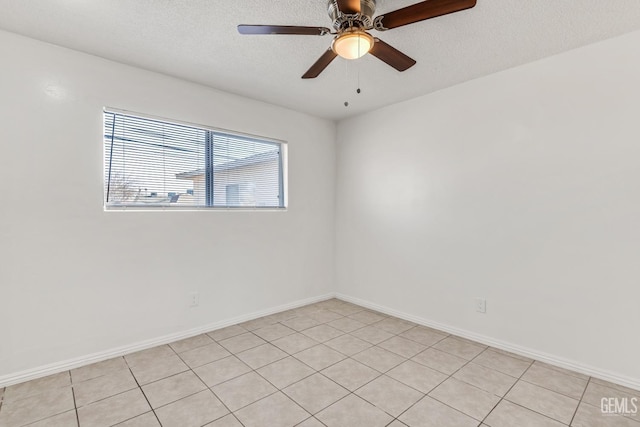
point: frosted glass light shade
(353, 44)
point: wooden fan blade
(425, 10)
(283, 29)
(391, 56)
(320, 64)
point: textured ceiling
(197, 40)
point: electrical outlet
(194, 299)
(481, 305)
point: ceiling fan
(352, 19)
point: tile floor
(329, 364)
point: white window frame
(283, 169)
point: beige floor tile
(466, 398)
(346, 324)
(324, 316)
(315, 393)
(592, 416)
(226, 421)
(322, 333)
(203, 355)
(460, 348)
(417, 376)
(595, 392)
(347, 309)
(330, 303)
(102, 387)
(502, 363)
(305, 310)
(242, 391)
(145, 420)
(394, 325)
(390, 395)
(352, 411)
(261, 322)
(310, 422)
(622, 388)
(282, 316)
(173, 388)
(372, 334)
(397, 423)
(350, 304)
(191, 343)
(431, 413)
(262, 355)
(300, 323)
(66, 419)
(276, 410)
(487, 379)
(368, 317)
(555, 381)
(240, 343)
(273, 332)
(346, 344)
(546, 402)
(285, 372)
(294, 343)
(114, 410)
(36, 407)
(150, 355)
(37, 386)
(379, 359)
(319, 356)
(308, 309)
(221, 370)
(402, 346)
(98, 369)
(158, 369)
(423, 335)
(192, 411)
(562, 370)
(510, 354)
(350, 374)
(440, 361)
(228, 332)
(508, 414)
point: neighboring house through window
(156, 163)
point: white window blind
(155, 163)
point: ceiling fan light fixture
(352, 44)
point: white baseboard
(561, 362)
(54, 368)
(62, 366)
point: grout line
(527, 408)
(580, 401)
(556, 391)
(143, 393)
(73, 393)
(507, 392)
(438, 385)
(216, 396)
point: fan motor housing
(342, 21)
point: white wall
(522, 187)
(75, 280)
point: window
(154, 163)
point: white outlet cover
(195, 299)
